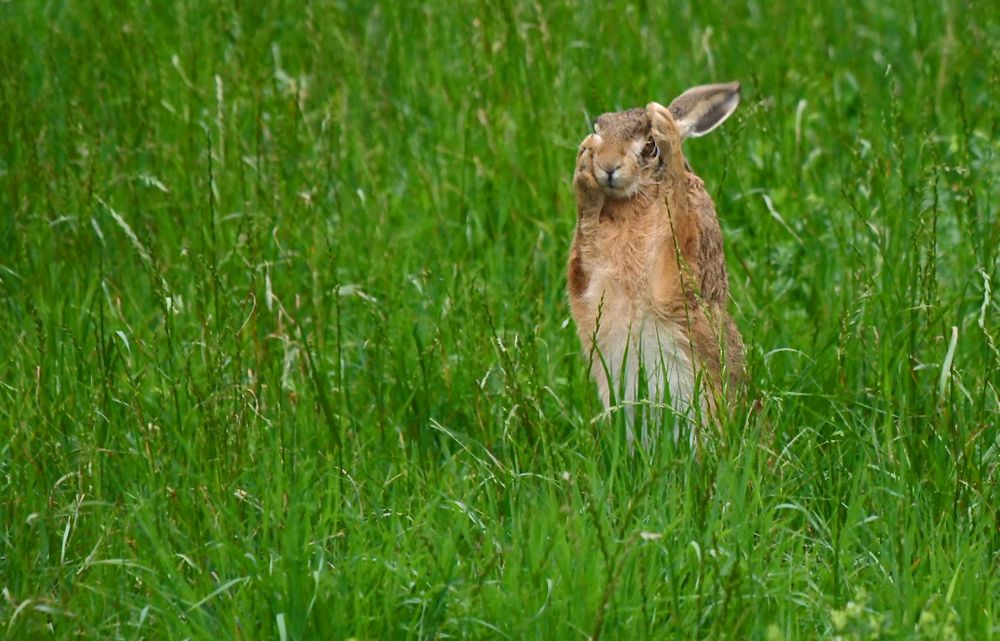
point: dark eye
(650, 150)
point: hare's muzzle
(606, 176)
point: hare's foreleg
(673, 176)
(589, 195)
(589, 202)
(667, 137)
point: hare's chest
(628, 255)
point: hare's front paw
(587, 189)
(589, 195)
(664, 128)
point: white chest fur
(638, 359)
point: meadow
(287, 352)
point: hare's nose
(610, 171)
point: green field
(287, 351)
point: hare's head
(626, 157)
(624, 152)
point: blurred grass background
(287, 350)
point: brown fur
(654, 245)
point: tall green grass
(286, 350)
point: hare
(647, 276)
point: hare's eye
(650, 150)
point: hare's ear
(701, 109)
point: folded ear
(701, 109)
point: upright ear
(701, 109)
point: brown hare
(647, 273)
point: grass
(287, 352)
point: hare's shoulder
(711, 253)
